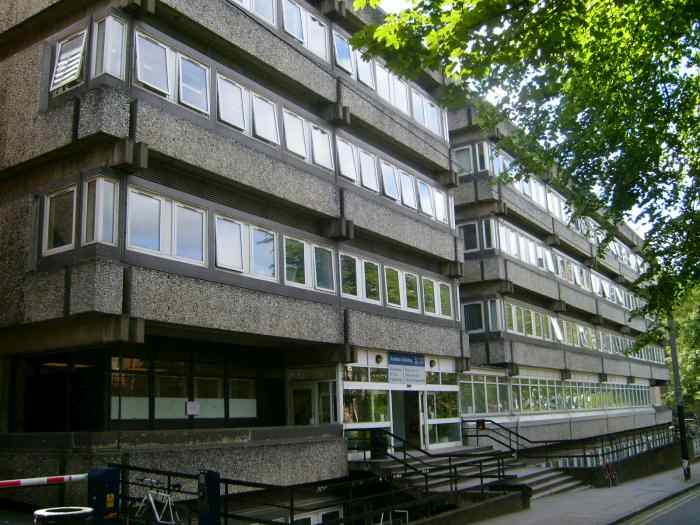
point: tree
(688, 317)
(606, 90)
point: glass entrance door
(304, 409)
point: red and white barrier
(48, 480)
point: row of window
(483, 156)
(166, 227)
(493, 395)
(373, 406)
(532, 251)
(532, 322)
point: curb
(656, 503)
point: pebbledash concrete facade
(227, 241)
(550, 320)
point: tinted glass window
(61, 220)
(294, 262)
(263, 252)
(152, 67)
(348, 273)
(372, 290)
(144, 221)
(324, 268)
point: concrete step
(551, 483)
(571, 485)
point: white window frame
(483, 318)
(137, 37)
(55, 86)
(380, 284)
(243, 232)
(329, 144)
(468, 150)
(314, 247)
(207, 87)
(410, 184)
(359, 280)
(370, 62)
(431, 212)
(99, 218)
(418, 286)
(439, 300)
(353, 155)
(476, 231)
(302, 19)
(176, 205)
(274, 118)
(311, 17)
(107, 66)
(435, 296)
(336, 36)
(251, 232)
(383, 164)
(47, 207)
(375, 178)
(308, 263)
(440, 205)
(287, 113)
(245, 102)
(402, 292)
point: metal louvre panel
(69, 61)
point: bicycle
(159, 500)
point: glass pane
(194, 85)
(467, 398)
(372, 281)
(109, 206)
(264, 124)
(408, 190)
(114, 54)
(473, 317)
(229, 251)
(242, 401)
(411, 291)
(433, 118)
(445, 300)
(426, 198)
(492, 397)
(263, 253)
(317, 38)
(144, 221)
(440, 206)
(129, 399)
(356, 373)
(152, 64)
(479, 397)
(471, 238)
(100, 58)
(69, 61)
(209, 393)
(365, 70)
(401, 95)
(265, 9)
(463, 160)
(90, 211)
(383, 88)
(429, 296)
(189, 233)
(294, 262)
(346, 157)
(379, 375)
(368, 169)
(418, 112)
(324, 268)
(348, 272)
(61, 219)
(294, 133)
(321, 141)
(231, 109)
(292, 20)
(393, 286)
(171, 397)
(365, 406)
(326, 402)
(343, 53)
(391, 185)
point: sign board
(192, 408)
(406, 368)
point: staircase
(546, 481)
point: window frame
(315, 247)
(402, 296)
(288, 113)
(99, 217)
(45, 250)
(305, 247)
(180, 84)
(71, 82)
(392, 174)
(476, 233)
(405, 275)
(168, 88)
(107, 62)
(468, 150)
(483, 318)
(430, 213)
(338, 36)
(243, 229)
(245, 103)
(353, 155)
(275, 114)
(252, 228)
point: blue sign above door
(406, 360)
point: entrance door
(406, 417)
(304, 410)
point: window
(470, 233)
(293, 20)
(489, 234)
(463, 161)
(110, 47)
(391, 185)
(418, 111)
(433, 118)
(372, 288)
(494, 321)
(425, 198)
(194, 85)
(411, 286)
(323, 263)
(229, 244)
(368, 170)
(265, 9)
(383, 83)
(441, 213)
(481, 153)
(392, 278)
(264, 119)
(346, 159)
(294, 261)
(429, 296)
(317, 37)
(101, 207)
(474, 317)
(145, 221)
(70, 58)
(231, 106)
(348, 275)
(408, 190)
(190, 225)
(445, 300)
(556, 329)
(321, 142)
(400, 92)
(365, 70)
(294, 133)
(59, 221)
(263, 253)
(152, 64)
(343, 52)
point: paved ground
(681, 510)
(604, 506)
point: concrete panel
(645, 419)
(618, 367)
(44, 295)
(529, 279)
(610, 262)
(637, 323)
(628, 273)
(639, 369)
(458, 118)
(588, 426)
(529, 354)
(620, 423)
(519, 205)
(660, 372)
(472, 271)
(258, 42)
(663, 415)
(104, 110)
(96, 286)
(25, 132)
(396, 127)
(382, 219)
(183, 140)
(486, 189)
(577, 298)
(170, 298)
(498, 353)
(14, 12)
(581, 362)
(573, 239)
(384, 333)
(16, 242)
(545, 430)
(612, 312)
(465, 193)
(478, 354)
(494, 268)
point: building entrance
(407, 416)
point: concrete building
(550, 323)
(226, 238)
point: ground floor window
(366, 406)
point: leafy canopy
(608, 91)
